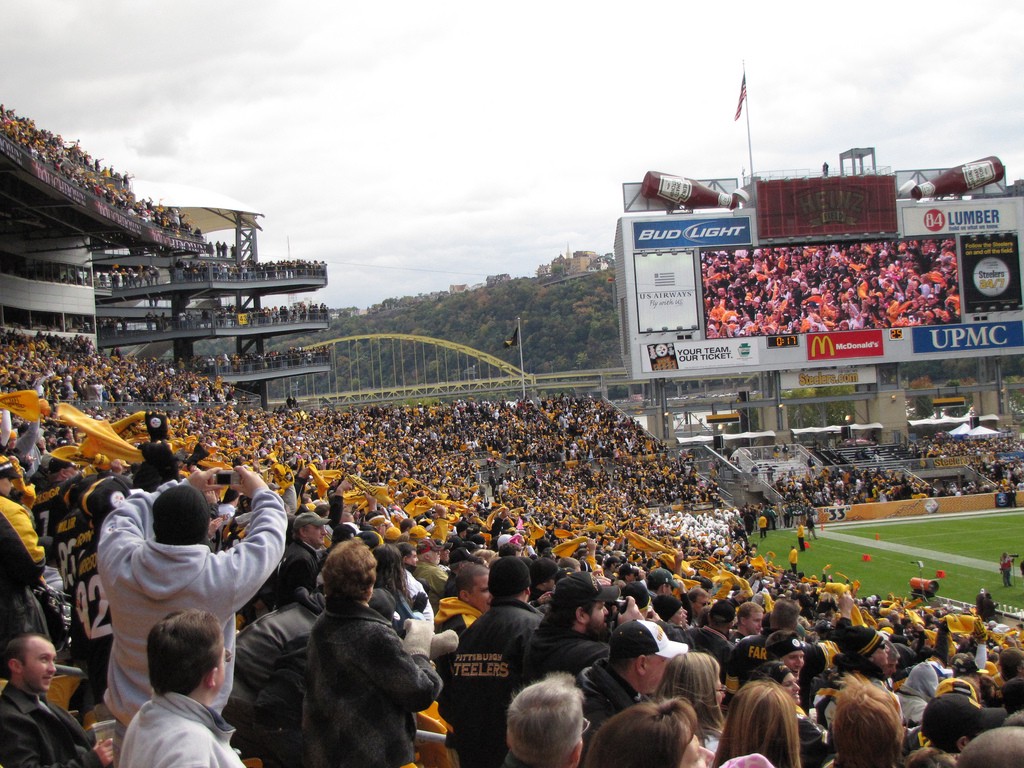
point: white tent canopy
(982, 432)
(963, 429)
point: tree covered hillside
(566, 325)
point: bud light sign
(699, 232)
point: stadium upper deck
(61, 213)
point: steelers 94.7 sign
(991, 273)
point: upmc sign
(835, 346)
(960, 338)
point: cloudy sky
(415, 145)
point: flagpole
(750, 151)
(522, 370)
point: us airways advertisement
(666, 291)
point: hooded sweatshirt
(917, 690)
(453, 613)
(145, 580)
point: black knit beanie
(181, 515)
(508, 577)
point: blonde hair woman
(695, 677)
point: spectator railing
(209, 272)
(240, 399)
(1011, 611)
(192, 321)
(260, 363)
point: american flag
(743, 96)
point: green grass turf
(983, 538)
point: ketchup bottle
(687, 192)
(959, 180)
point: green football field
(884, 555)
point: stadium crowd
(831, 486)
(78, 166)
(70, 370)
(837, 287)
(403, 567)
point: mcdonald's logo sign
(835, 346)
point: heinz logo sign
(959, 338)
(834, 346)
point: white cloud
(440, 143)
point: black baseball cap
(581, 588)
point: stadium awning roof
(815, 430)
(872, 425)
(694, 439)
(750, 435)
(210, 211)
(941, 420)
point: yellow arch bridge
(389, 367)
